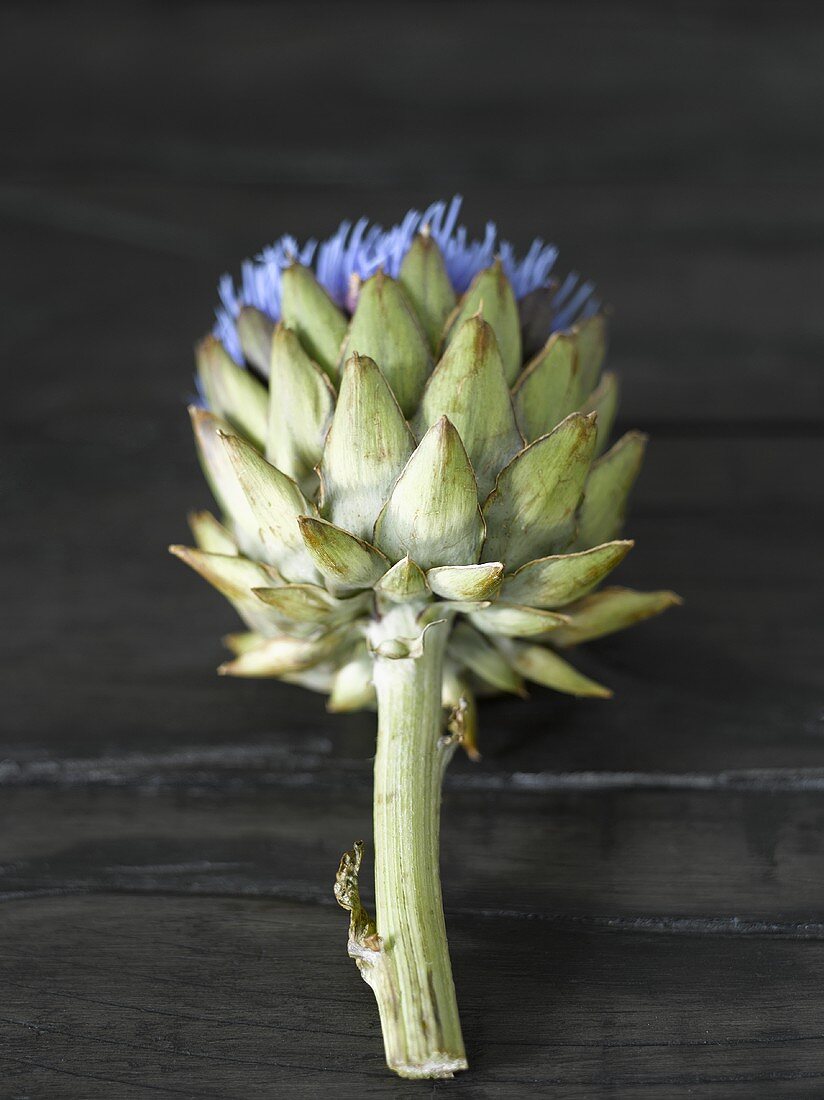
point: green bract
(407, 451)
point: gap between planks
(267, 766)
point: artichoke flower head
(413, 417)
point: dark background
(634, 889)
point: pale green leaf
(548, 390)
(609, 610)
(352, 687)
(346, 561)
(441, 606)
(309, 603)
(542, 666)
(469, 387)
(305, 603)
(319, 678)
(558, 580)
(432, 513)
(283, 655)
(239, 643)
(466, 582)
(531, 510)
(472, 651)
(424, 278)
(308, 310)
(210, 534)
(255, 332)
(607, 489)
(491, 293)
(301, 402)
(590, 338)
(223, 480)
(385, 328)
(404, 581)
(515, 621)
(368, 445)
(232, 391)
(276, 502)
(233, 576)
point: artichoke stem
(410, 972)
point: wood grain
(747, 862)
(223, 997)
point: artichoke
(407, 436)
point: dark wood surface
(634, 889)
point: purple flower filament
(355, 252)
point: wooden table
(634, 889)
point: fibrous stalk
(403, 954)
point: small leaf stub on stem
(462, 725)
(363, 935)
